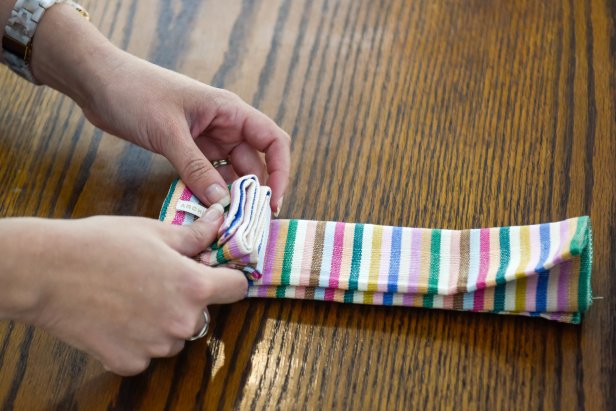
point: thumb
(197, 172)
(195, 238)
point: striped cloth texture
(535, 270)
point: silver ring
(220, 163)
(205, 328)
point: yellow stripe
(281, 242)
(520, 291)
(571, 229)
(488, 298)
(375, 262)
(424, 262)
(175, 197)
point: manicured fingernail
(213, 213)
(217, 194)
(278, 207)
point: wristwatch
(19, 33)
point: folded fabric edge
(165, 207)
(321, 294)
(584, 285)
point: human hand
(184, 119)
(188, 122)
(122, 289)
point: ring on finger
(220, 163)
(204, 329)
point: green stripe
(505, 255)
(584, 289)
(348, 296)
(358, 237)
(220, 256)
(163, 211)
(578, 242)
(435, 261)
(288, 257)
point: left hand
(192, 124)
(187, 121)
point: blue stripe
(394, 260)
(542, 273)
(388, 298)
(237, 217)
(469, 301)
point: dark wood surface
(453, 114)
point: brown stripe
(465, 252)
(458, 301)
(317, 256)
(309, 294)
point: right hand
(125, 289)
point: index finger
(262, 133)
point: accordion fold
(538, 270)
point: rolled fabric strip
(536, 270)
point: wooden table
(453, 114)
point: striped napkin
(536, 270)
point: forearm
(68, 53)
(20, 249)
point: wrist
(70, 55)
(22, 244)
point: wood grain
(440, 113)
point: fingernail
(278, 207)
(213, 213)
(217, 194)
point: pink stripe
(334, 276)
(300, 292)
(328, 295)
(484, 264)
(454, 269)
(270, 252)
(562, 298)
(407, 300)
(377, 298)
(564, 228)
(233, 249)
(531, 293)
(415, 265)
(178, 219)
(385, 253)
(448, 302)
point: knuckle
(198, 288)
(200, 236)
(127, 368)
(201, 290)
(231, 97)
(242, 287)
(286, 138)
(224, 98)
(140, 364)
(199, 169)
(184, 326)
(166, 349)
